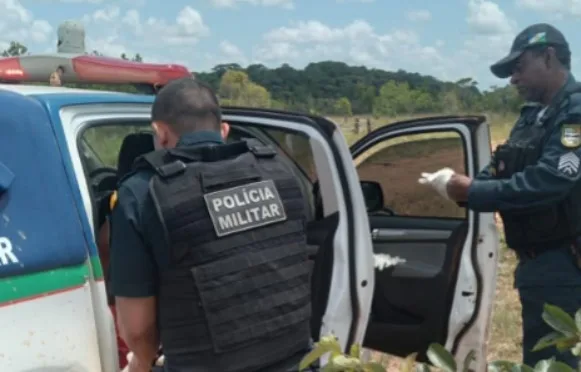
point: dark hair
(562, 53)
(187, 105)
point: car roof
(54, 98)
(64, 96)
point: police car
(399, 268)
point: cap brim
(503, 68)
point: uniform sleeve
(546, 182)
(132, 265)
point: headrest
(133, 146)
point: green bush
(565, 337)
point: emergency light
(89, 69)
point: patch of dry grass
(505, 340)
(505, 336)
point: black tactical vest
(538, 228)
(236, 296)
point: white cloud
(113, 32)
(109, 14)
(356, 43)
(286, 4)
(231, 51)
(18, 23)
(420, 15)
(486, 17)
(356, 1)
(559, 8)
(492, 32)
(227, 53)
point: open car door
(312, 147)
(440, 281)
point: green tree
(236, 89)
(343, 107)
(15, 49)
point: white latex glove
(438, 180)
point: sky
(448, 39)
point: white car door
(344, 259)
(440, 286)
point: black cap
(537, 34)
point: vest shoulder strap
(260, 150)
(169, 163)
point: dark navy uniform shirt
(137, 244)
(546, 182)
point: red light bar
(87, 69)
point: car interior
(103, 179)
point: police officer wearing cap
(208, 247)
(534, 182)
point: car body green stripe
(22, 287)
(97, 268)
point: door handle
(409, 234)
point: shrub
(566, 336)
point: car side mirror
(373, 195)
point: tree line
(335, 88)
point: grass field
(505, 337)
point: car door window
(100, 144)
(418, 229)
(397, 163)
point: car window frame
(396, 134)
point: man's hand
(457, 187)
(438, 180)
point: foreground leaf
(501, 366)
(559, 367)
(470, 357)
(544, 365)
(566, 344)
(522, 368)
(347, 363)
(547, 340)
(559, 320)
(408, 363)
(326, 345)
(422, 367)
(374, 367)
(332, 368)
(578, 321)
(355, 351)
(577, 350)
(311, 358)
(441, 358)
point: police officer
(534, 182)
(208, 247)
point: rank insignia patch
(571, 135)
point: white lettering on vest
(7, 257)
(245, 207)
